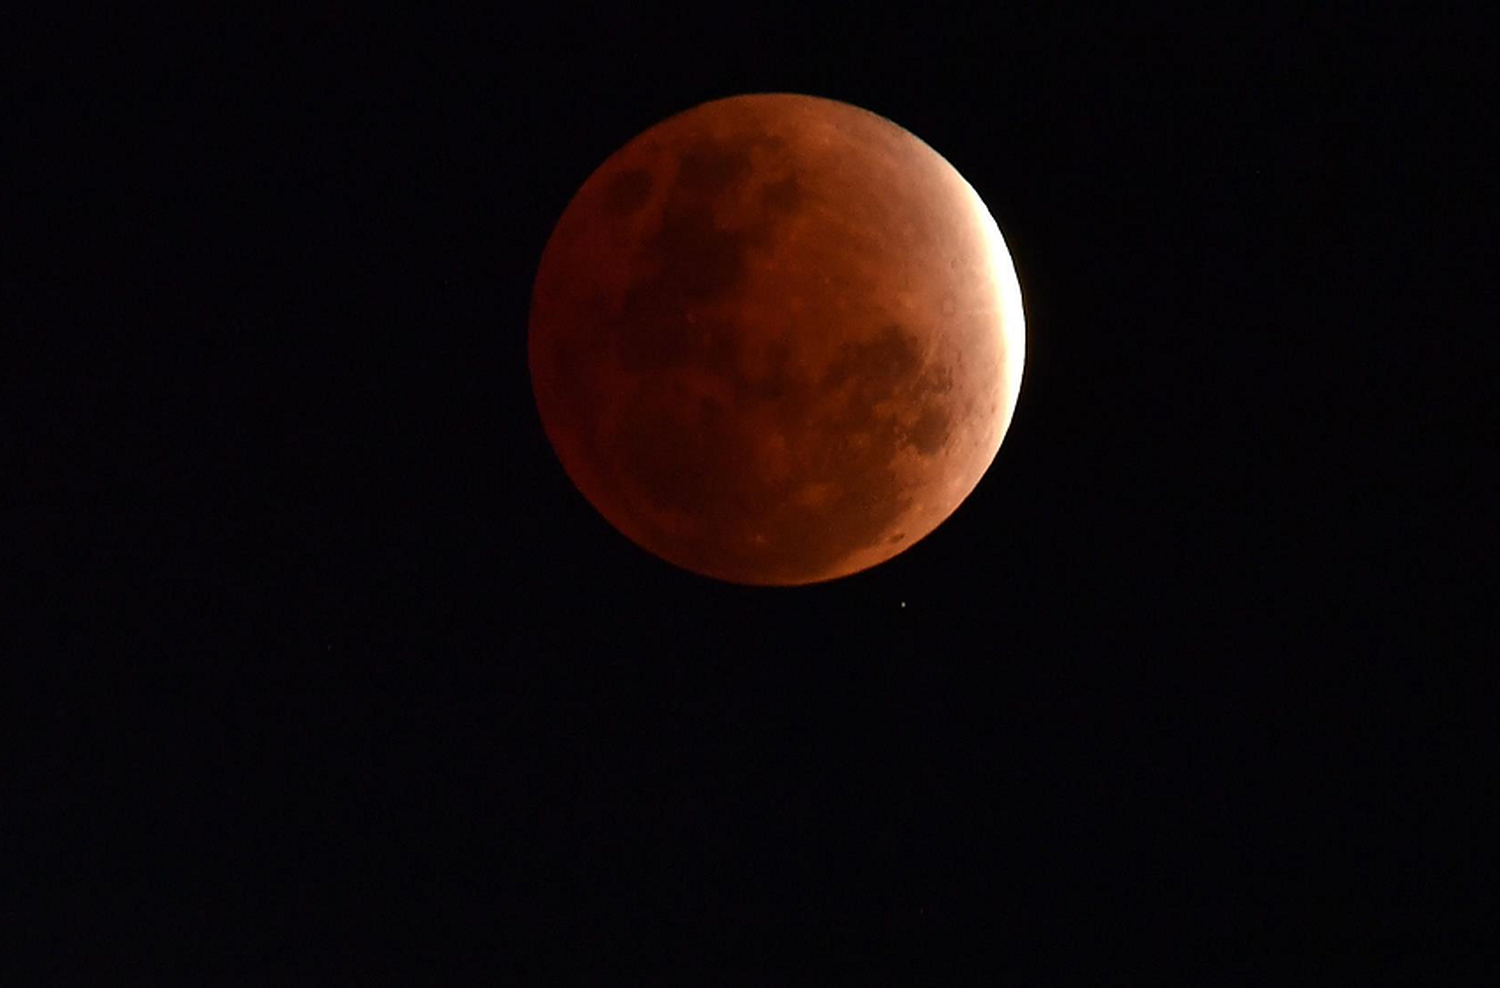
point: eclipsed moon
(776, 339)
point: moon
(776, 339)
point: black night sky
(326, 669)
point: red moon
(776, 339)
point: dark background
(323, 667)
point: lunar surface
(776, 339)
